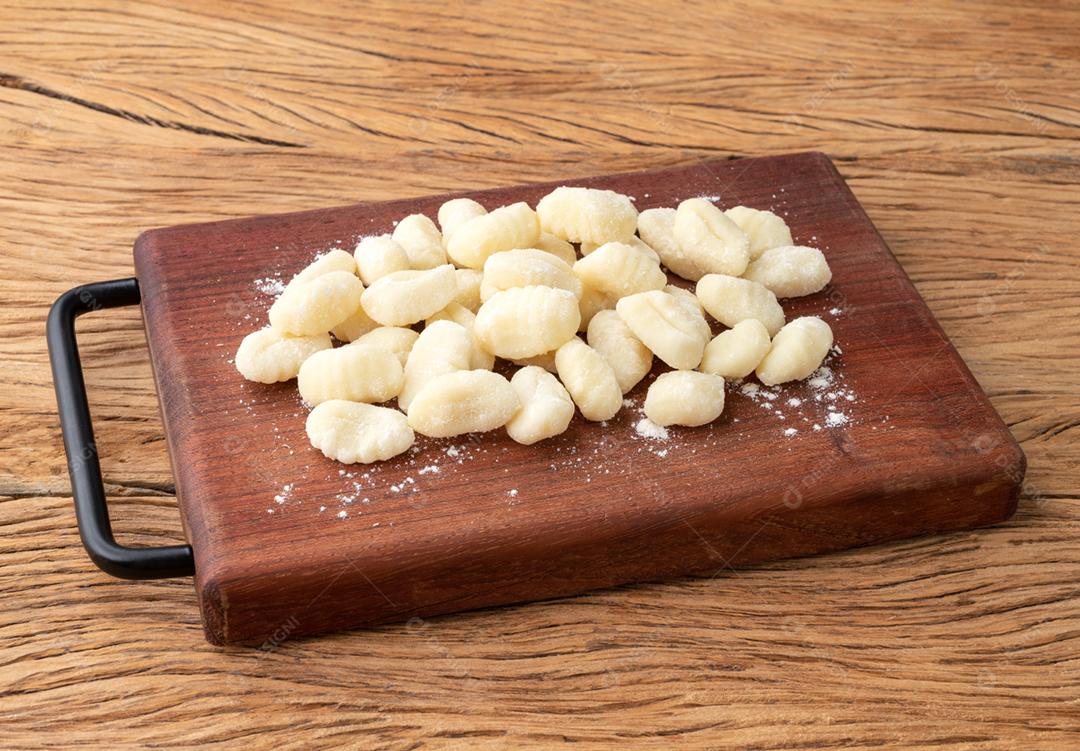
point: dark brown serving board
(480, 520)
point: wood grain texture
(956, 125)
(281, 535)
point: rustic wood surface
(957, 127)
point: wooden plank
(918, 448)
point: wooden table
(958, 127)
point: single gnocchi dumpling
(634, 242)
(317, 306)
(455, 213)
(587, 215)
(668, 326)
(619, 270)
(505, 228)
(355, 374)
(686, 296)
(354, 327)
(480, 359)
(353, 432)
(397, 339)
(589, 379)
(269, 356)
(736, 352)
(685, 397)
(546, 407)
(631, 360)
(657, 229)
(405, 297)
(730, 300)
(592, 302)
(468, 288)
(379, 255)
(764, 228)
(527, 321)
(557, 247)
(421, 240)
(334, 260)
(796, 351)
(526, 267)
(791, 271)
(443, 347)
(465, 401)
(709, 239)
(545, 361)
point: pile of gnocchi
(425, 312)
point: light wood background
(958, 127)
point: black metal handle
(91, 511)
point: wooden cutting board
(896, 439)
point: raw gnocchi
(334, 260)
(587, 215)
(527, 321)
(354, 327)
(557, 247)
(546, 406)
(657, 229)
(405, 297)
(465, 401)
(397, 339)
(634, 242)
(505, 228)
(670, 328)
(764, 228)
(355, 374)
(791, 271)
(317, 306)
(709, 239)
(589, 379)
(736, 352)
(796, 351)
(468, 288)
(443, 347)
(480, 358)
(456, 212)
(545, 361)
(631, 360)
(421, 240)
(592, 302)
(269, 356)
(353, 432)
(379, 255)
(619, 270)
(685, 397)
(527, 267)
(730, 300)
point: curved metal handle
(91, 511)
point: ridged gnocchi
(685, 397)
(379, 255)
(397, 339)
(736, 352)
(355, 374)
(791, 271)
(270, 356)
(465, 401)
(546, 407)
(592, 302)
(333, 260)
(526, 267)
(527, 321)
(764, 228)
(730, 300)
(405, 297)
(587, 215)
(422, 241)
(352, 432)
(634, 242)
(505, 228)
(796, 351)
(443, 347)
(631, 360)
(589, 379)
(468, 288)
(618, 269)
(670, 328)
(657, 229)
(316, 306)
(709, 239)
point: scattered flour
(646, 428)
